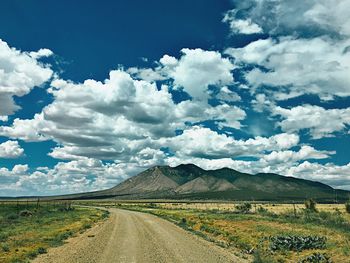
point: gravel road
(129, 236)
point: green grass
(28, 229)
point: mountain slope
(191, 182)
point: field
(259, 232)
(267, 232)
(30, 228)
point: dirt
(129, 236)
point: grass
(29, 229)
(259, 234)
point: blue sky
(94, 92)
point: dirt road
(136, 237)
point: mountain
(188, 181)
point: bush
(347, 206)
(151, 205)
(105, 214)
(25, 213)
(32, 254)
(262, 210)
(5, 247)
(42, 250)
(3, 237)
(260, 258)
(86, 226)
(66, 208)
(12, 216)
(243, 208)
(210, 229)
(297, 243)
(310, 205)
(316, 258)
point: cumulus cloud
(337, 176)
(304, 18)
(10, 150)
(81, 175)
(27, 130)
(227, 95)
(147, 74)
(121, 115)
(318, 121)
(306, 53)
(306, 152)
(204, 143)
(292, 67)
(43, 52)
(242, 26)
(20, 72)
(197, 69)
(109, 130)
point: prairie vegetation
(30, 228)
(268, 232)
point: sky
(93, 92)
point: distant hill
(191, 182)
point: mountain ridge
(190, 182)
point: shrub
(42, 250)
(316, 258)
(243, 208)
(260, 258)
(25, 213)
(297, 243)
(310, 205)
(3, 237)
(262, 210)
(86, 226)
(65, 208)
(58, 240)
(210, 229)
(5, 247)
(32, 254)
(151, 205)
(105, 214)
(347, 206)
(12, 216)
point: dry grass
(24, 237)
(245, 233)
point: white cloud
(19, 74)
(199, 142)
(297, 66)
(27, 130)
(242, 26)
(306, 152)
(147, 74)
(227, 95)
(68, 177)
(335, 175)
(262, 103)
(129, 117)
(43, 52)
(120, 115)
(312, 17)
(169, 61)
(308, 48)
(319, 121)
(10, 150)
(20, 168)
(197, 69)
